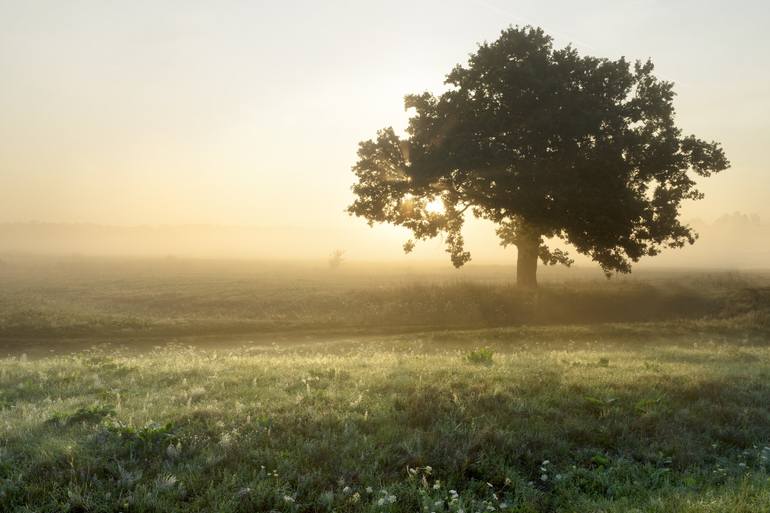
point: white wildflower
(226, 439)
(386, 499)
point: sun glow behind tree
(546, 144)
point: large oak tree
(547, 144)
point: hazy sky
(168, 112)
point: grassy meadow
(144, 386)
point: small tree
(336, 257)
(547, 144)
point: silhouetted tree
(546, 144)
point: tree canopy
(547, 144)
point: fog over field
(730, 241)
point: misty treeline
(731, 241)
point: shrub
(481, 356)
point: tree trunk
(526, 263)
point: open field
(142, 386)
(78, 301)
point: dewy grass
(389, 428)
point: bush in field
(481, 356)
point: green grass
(551, 422)
(179, 385)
